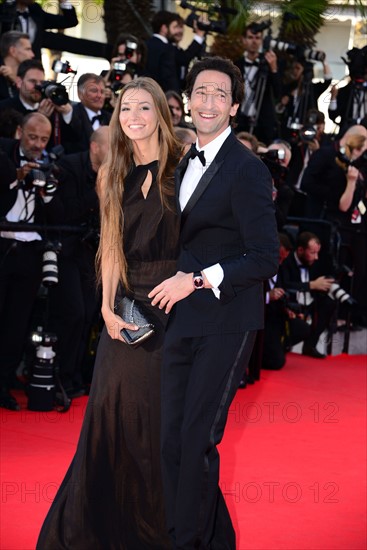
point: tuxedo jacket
(45, 20)
(80, 129)
(183, 58)
(161, 64)
(231, 222)
(51, 212)
(289, 276)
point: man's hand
(63, 109)
(314, 145)
(276, 294)
(172, 290)
(8, 73)
(271, 59)
(352, 175)
(322, 283)
(46, 107)
(25, 169)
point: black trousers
(20, 278)
(200, 377)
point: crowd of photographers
(52, 148)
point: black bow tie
(96, 117)
(24, 14)
(195, 153)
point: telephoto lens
(50, 272)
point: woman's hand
(114, 324)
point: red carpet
(293, 460)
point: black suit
(81, 129)
(61, 132)
(161, 64)
(20, 272)
(183, 58)
(321, 308)
(346, 99)
(44, 20)
(208, 341)
(266, 128)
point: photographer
(126, 64)
(29, 81)
(21, 252)
(350, 102)
(324, 175)
(305, 142)
(277, 158)
(300, 94)
(347, 206)
(262, 86)
(15, 47)
(284, 324)
(28, 17)
(300, 273)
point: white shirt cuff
(215, 275)
(67, 116)
(200, 39)
(66, 5)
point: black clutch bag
(134, 312)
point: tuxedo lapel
(206, 178)
(200, 188)
(179, 174)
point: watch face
(198, 281)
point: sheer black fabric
(111, 497)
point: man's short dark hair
(252, 27)
(284, 241)
(9, 39)
(222, 65)
(89, 76)
(27, 65)
(164, 18)
(304, 239)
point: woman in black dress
(111, 497)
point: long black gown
(111, 497)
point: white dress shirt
(192, 176)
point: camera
(50, 272)
(272, 160)
(50, 89)
(43, 177)
(338, 293)
(63, 67)
(219, 26)
(41, 390)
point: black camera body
(272, 160)
(357, 65)
(50, 89)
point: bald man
(74, 303)
(21, 252)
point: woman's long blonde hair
(118, 165)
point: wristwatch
(198, 280)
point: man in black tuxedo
(29, 78)
(15, 47)
(33, 20)
(161, 54)
(21, 252)
(88, 115)
(302, 273)
(262, 87)
(229, 245)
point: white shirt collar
(211, 149)
(163, 38)
(29, 106)
(91, 113)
